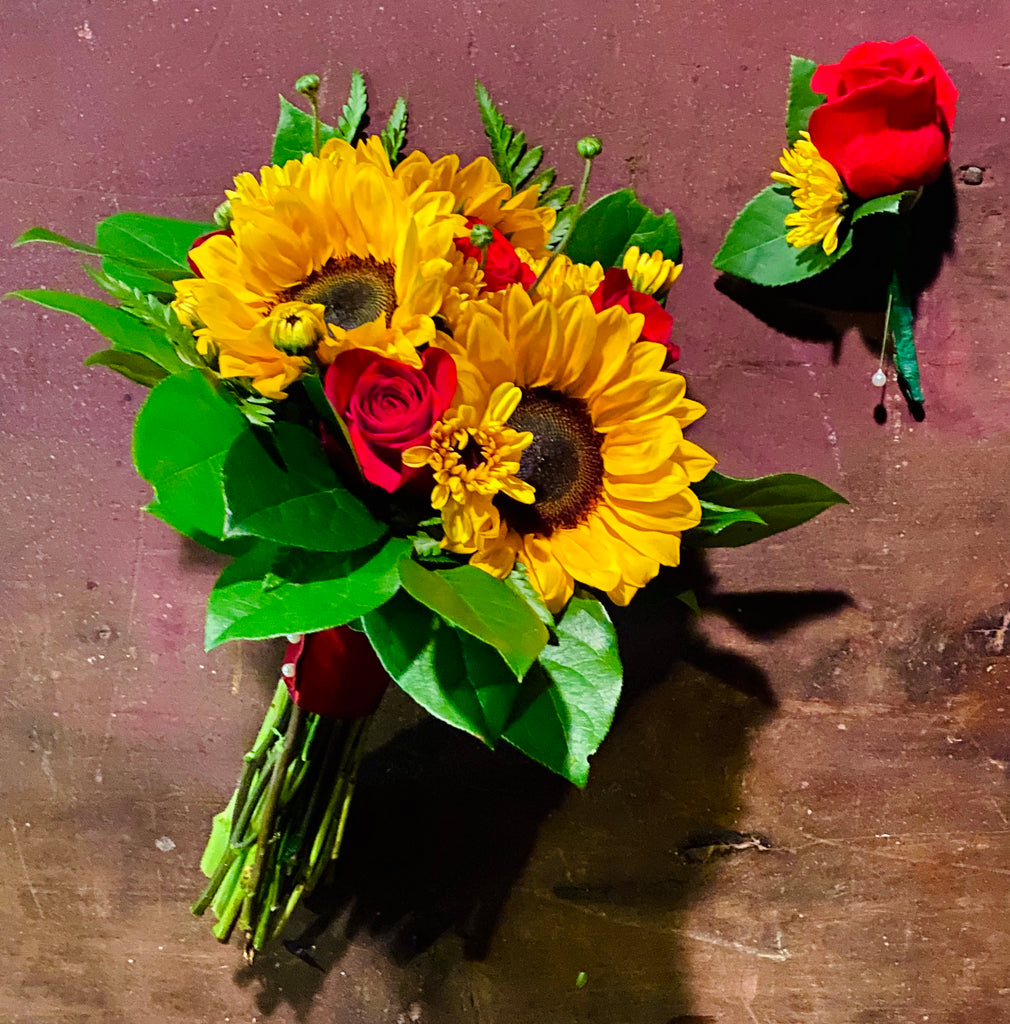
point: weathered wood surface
(844, 699)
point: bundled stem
(284, 823)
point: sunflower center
(563, 463)
(354, 291)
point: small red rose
(388, 407)
(502, 265)
(886, 123)
(615, 290)
(334, 673)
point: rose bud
(334, 673)
(501, 263)
(886, 124)
(615, 290)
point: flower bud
(481, 235)
(307, 85)
(589, 147)
(295, 327)
(222, 215)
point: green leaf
(394, 135)
(689, 599)
(180, 439)
(519, 581)
(802, 99)
(291, 495)
(482, 606)
(153, 311)
(351, 121)
(44, 235)
(567, 702)
(127, 333)
(433, 664)
(270, 591)
(756, 248)
(608, 228)
(157, 245)
(715, 518)
(137, 368)
(782, 501)
(293, 137)
(882, 204)
(509, 154)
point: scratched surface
(802, 812)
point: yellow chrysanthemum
(475, 457)
(651, 273)
(337, 231)
(564, 279)
(480, 193)
(608, 463)
(817, 194)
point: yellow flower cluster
(817, 194)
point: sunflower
(480, 193)
(337, 232)
(606, 460)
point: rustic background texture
(845, 695)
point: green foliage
(567, 701)
(146, 252)
(516, 164)
(127, 333)
(716, 518)
(893, 203)
(778, 502)
(351, 123)
(394, 135)
(802, 99)
(453, 676)
(180, 440)
(756, 248)
(137, 368)
(279, 486)
(156, 245)
(44, 235)
(613, 224)
(293, 137)
(486, 608)
(272, 590)
(153, 311)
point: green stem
(266, 825)
(316, 142)
(563, 244)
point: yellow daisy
(651, 273)
(475, 457)
(607, 461)
(817, 194)
(339, 232)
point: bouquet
(428, 412)
(865, 137)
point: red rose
(502, 265)
(335, 673)
(389, 407)
(615, 290)
(887, 120)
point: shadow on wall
(442, 829)
(853, 292)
